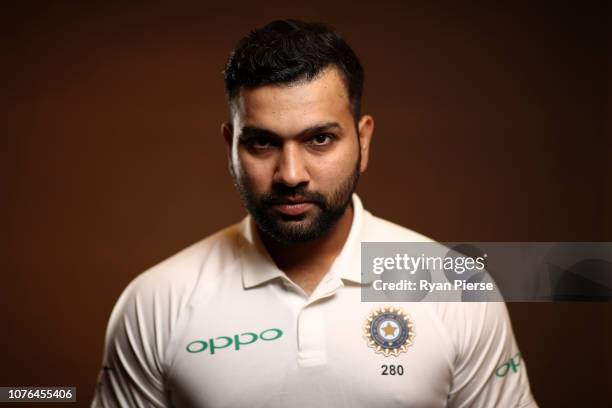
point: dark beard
(289, 229)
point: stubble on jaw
(292, 230)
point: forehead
(287, 109)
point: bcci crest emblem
(389, 331)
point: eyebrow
(254, 131)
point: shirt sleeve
(489, 370)
(133, 367)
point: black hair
(289, 51)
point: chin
(293, 232)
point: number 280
(392, 369)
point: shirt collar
(258, 267)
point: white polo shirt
(219, 325)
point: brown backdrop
(492, 124)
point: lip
(296, 208)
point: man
(268, 313)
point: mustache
(282, 194)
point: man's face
(296, 155)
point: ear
(366, 129)
(227, 131)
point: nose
(290, 169)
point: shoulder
(137, 350)
(182, 270)
(153, 303)
(158, 296)
(381, 230)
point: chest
(273, 350)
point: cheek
(330, 170)
(256, 173)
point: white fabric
(227, 287)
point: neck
(306, 263)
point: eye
(260, 143)
(321, 140)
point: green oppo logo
(198, 346)
(510, 365)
